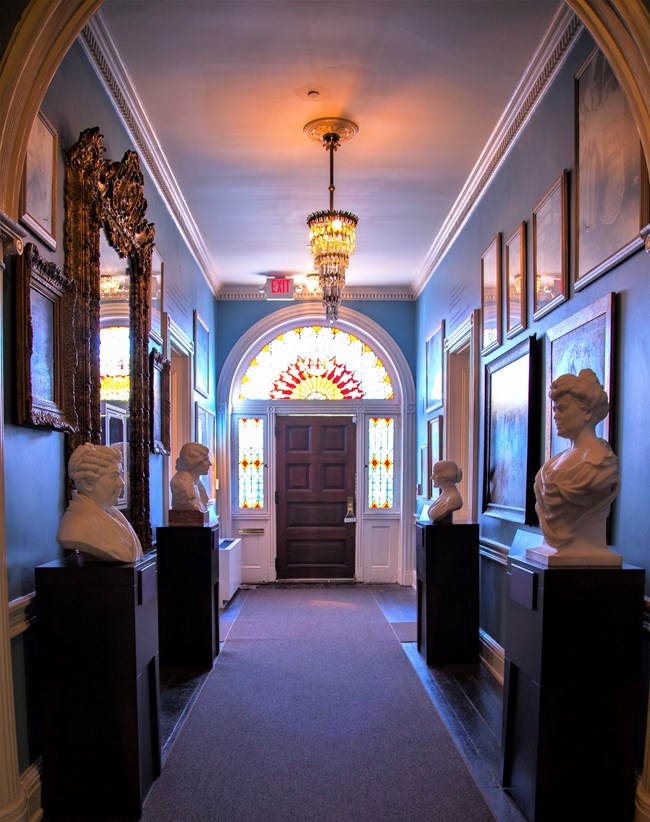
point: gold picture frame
(491, 296)
(550, 249)
(38, 191)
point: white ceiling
(224, 85)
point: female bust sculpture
(574, 489)
(91, 523)
(445, 476)
(188, 493)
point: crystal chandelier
(331, 233)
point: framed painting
(44, 394)
(205, 432)
(156, 296)
(201, 356)
(114, 427)
(550, 249)
(435, 450)
(160, 402)
(510, 430)
(584, 340)
(423, 483)
(491, 296)
(611, 188)
(38, 192)
(516, 319)
(434, 366)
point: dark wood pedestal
(188, 595)
(98, 668)
(571, 690)
(447, 566)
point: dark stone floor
(467, 697)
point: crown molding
(547, 60)
(102, 52)
(249, 292)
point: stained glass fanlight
(316, 363)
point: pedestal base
(549, 557)
(98, 659)
(571, 689)
(188, 596)
(447, 567)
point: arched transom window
(316, 363)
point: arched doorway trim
(39, 43)
(403, 405)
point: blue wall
(543, 150)
(34, 459)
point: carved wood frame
(109, 194)
(57, 411)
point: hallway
(466, 697)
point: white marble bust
(188, 493)
(445, 476)
(574, 489)
(92, 524)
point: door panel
(316, 459)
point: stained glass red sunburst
(316, 363)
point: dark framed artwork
(611, 202)
(44, 395)
(550, 249)
(160, 402)
(38, 193)
(434, 366)
(491, 296)
(584, 340)
(201, 356)
(510, 430)
(205, 432)
(114, 426)
(516, 319)
(156, 295)
(434, 450)
(423, 484)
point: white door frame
(395, 528)
(462, 408)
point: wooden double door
(316, 468)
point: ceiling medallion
(331, 233)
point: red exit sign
(279, 288)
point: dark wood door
(316, 459)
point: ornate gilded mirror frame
(102, 194)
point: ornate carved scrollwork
(100, 193)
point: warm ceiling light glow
(331, 233)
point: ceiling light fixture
(331, 233)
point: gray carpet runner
(313, 712)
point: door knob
(349, 514)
